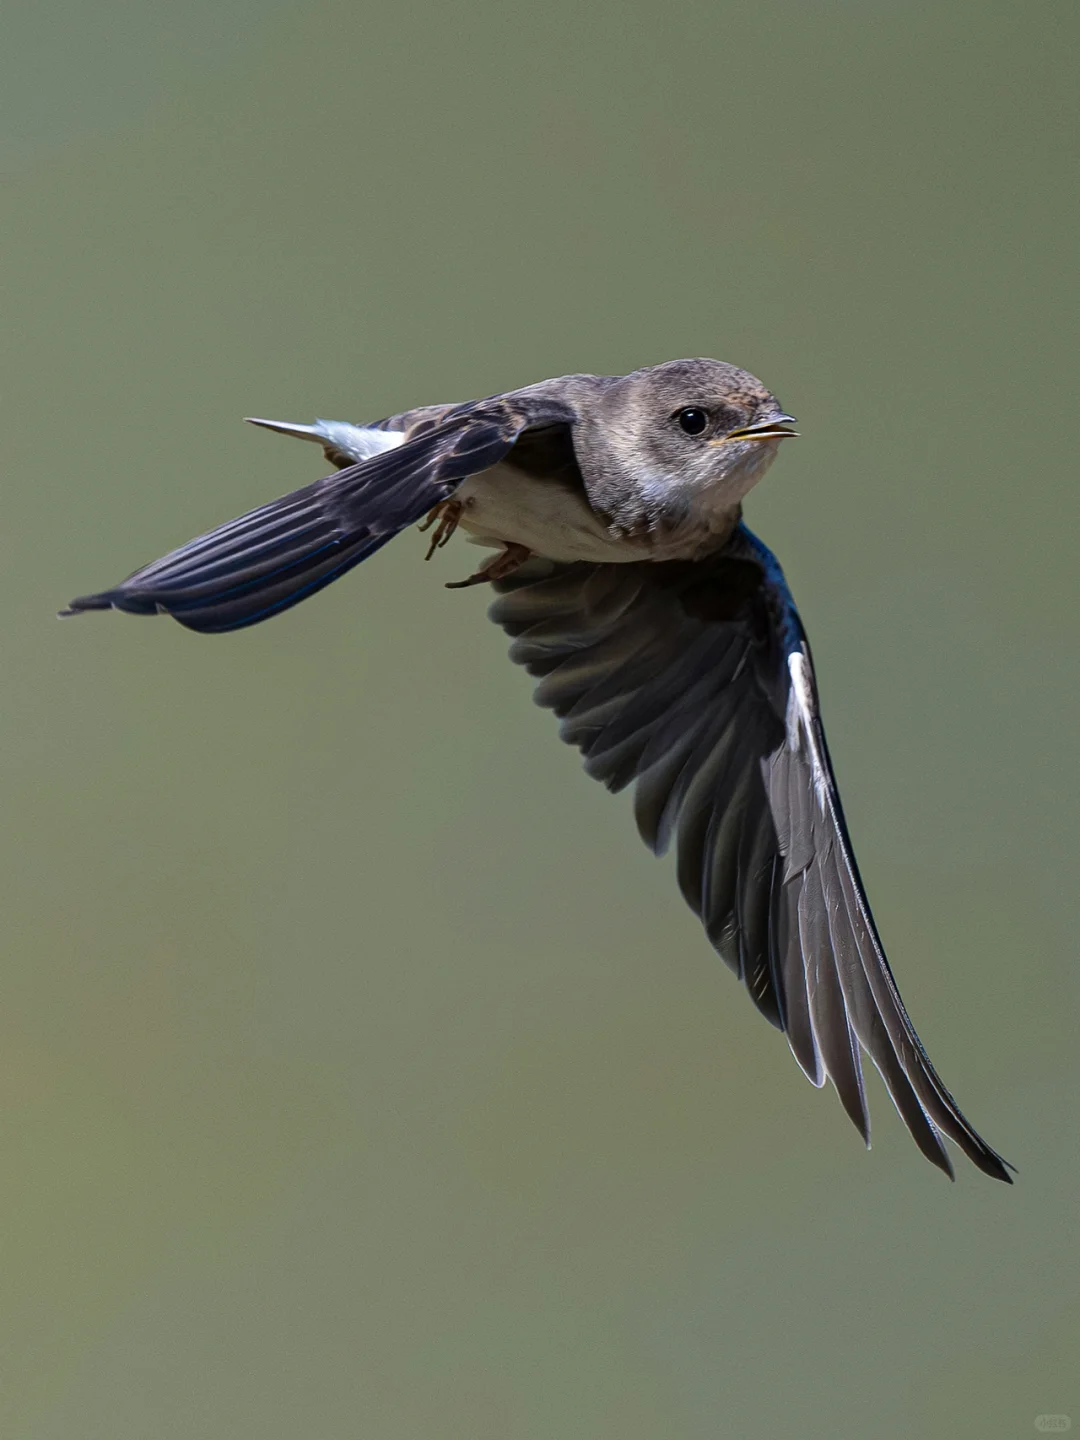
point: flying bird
(661, 632)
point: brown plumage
(663, 635)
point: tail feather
(343, 444)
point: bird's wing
(273, 557)
(695, 682)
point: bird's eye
(693, 420)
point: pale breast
(551, 517)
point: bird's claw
(509, 559)
(448, 513)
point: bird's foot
(509, 559)
(448, 513)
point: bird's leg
(509, 559)
(448, 513)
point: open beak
(776, 427)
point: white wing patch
(801, 730)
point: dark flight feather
(694, 682)
(272, 558)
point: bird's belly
(549, 517)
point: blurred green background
(361, 1075)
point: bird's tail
(343, 444)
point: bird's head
(684, 435)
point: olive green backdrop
(360, 1073)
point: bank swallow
(662, 634)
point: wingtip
(84, 603)
(942, 1160)
(860, 1119)
(986, 1160)
(851, 1093)
(997, 1167)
